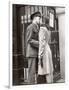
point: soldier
(32, 44)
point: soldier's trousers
(31, 70)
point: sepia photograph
(38, 44)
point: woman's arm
(41, 42)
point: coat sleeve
(30, 40)
(34, 43)
(41, 42)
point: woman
(45, 65)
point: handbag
(40, 67)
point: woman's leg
(41, 79)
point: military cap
(35, 14)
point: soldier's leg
(36, 74)
(31, 70)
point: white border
(10, 44)
(38, 2)
(31, 2)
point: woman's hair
(45, 23)
(46, 32)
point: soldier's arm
(33, 42)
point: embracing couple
(37, 48)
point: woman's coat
(45, 52)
